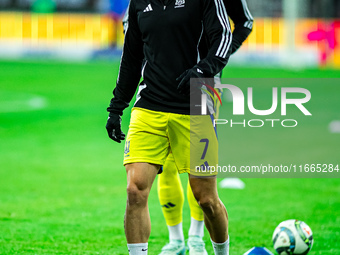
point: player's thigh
(204, 188)
(179, 138)
(140, 177)
(194, 144)
(203, 146)
(147, 139)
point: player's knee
(136, 196)
(205, 203)
(208, 205)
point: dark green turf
(62, 183)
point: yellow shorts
(153, 135)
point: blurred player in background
(174, 28)
(170, 190)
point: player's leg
(196, 213)
(196, 244)
(203, 163)
(140, 177)
(203, 155)
(195, 136)
(171, 198)
(146, 142)
(215, 214)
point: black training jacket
(243, 21)
(167, 36)
(240, 15)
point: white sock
(176, 232)
(138, 248)
(221, 248)
(196, 228)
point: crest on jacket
(179, 3)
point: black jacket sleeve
(218, 33)
(130, 66)
(242, 19)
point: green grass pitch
(62, 183)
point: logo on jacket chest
(179, 3)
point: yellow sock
(170, 193)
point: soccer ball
(292, 237)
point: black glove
(113, 127)
(184, 80)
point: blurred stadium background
(70, 29)
(62, 184)
(304, 32)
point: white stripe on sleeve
(248, 14)
(226, 35)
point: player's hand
(113, 127)
(184, 80)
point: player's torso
(169, 28)
(154, 15)
(171, 33)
